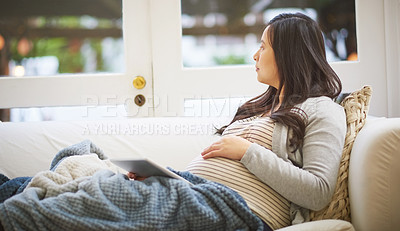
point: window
(71, 37)
(227, 32)
(178, 78)
(91, 55)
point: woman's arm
(312, 184)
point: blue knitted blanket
(109, 201)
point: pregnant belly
(265, 202)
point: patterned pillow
(356, 107)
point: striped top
(265, 202)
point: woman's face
(267, 71)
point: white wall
(392, 41)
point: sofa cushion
(28, 147)
(356, 107)
(374, 172)
(324, 225)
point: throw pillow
(356, 107)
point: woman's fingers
(217, 149)
(211, 154)
(230, 146)
(133, 176)
(214, 146)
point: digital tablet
(145, 168)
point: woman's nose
(255, 56)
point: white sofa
(27, 148)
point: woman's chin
(259, 79)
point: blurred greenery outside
(70, 60)
(66, 50)
(229, 60)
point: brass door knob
(139, 82)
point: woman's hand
(133, 176)
(230, 146)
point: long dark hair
(303, 70)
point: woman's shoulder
(322, 106)
(321, 101)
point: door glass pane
(42, 37)
(226, 32)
